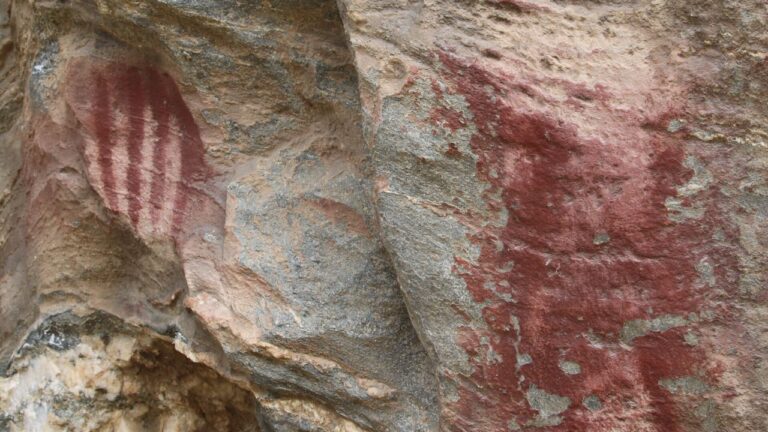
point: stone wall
(383, 215)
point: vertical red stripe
(192, 161)
(103, 122)
(158, 102)
(135, 97)
(129, 91)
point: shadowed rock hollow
(294, 215)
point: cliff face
(295, 215)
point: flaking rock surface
(397, 215)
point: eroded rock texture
(308, 215)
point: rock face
(295, 215)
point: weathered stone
(112, 376)
(295, 215)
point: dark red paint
(156, 87)
(116, 107)
(560, 191)
(104, 137)
(132, 91)
(193, 166)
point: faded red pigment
(134, 91)
(134, 96)
(193, 167)
(158, 104)
(104, 137)
(555, 288)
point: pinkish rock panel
(143, 147)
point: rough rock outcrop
(294, 215)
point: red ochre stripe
(158, 102)
(103, 121)
(130, 91)
(191, 155)
(134, 90)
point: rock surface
(295, 215)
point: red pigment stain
(158, 104)
(132, 91)
(588, 246)
(115, 109)
(340, 213)
(104, 137)
(192, 162)
(453, 151)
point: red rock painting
(588, 250)
(143, 147)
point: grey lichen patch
(750, 286)
(719, 235)
(706, 271)
(706, 412)
(700, 180)
(592, 403)
(44, 64)
(549, 406)
(675, 125)
(523, 359)
(491, 356)
(691, 339)
(636, 328)
(569, 367)
(679, 213)
(601, 239)
(689, 385)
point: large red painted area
(144, 151)
(588, 246)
